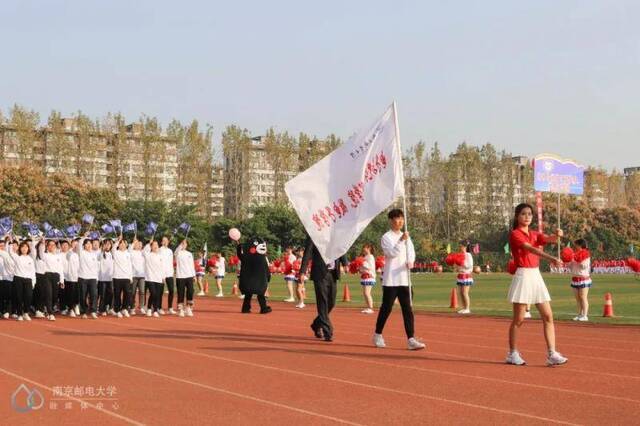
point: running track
(222, 367)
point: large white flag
(338, 196)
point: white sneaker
(6, 315)
(241, 296)
(84, 316)
(556, 358)
(72, 313)
(132, 312)
(464, 311)
(51, 318)
(289, 300)
(14, 316)
(65, 312)
(143, 311)
(26, 317)
(514, 358)
(155, 314)
(415, 345)
(577, 318)
(200, 293)
(39, 314)
(20, 318)
(181, 313)
(300, 305)
(527, 314)
(171, 311)
(161, 311)
(148, 312)
(77, 310)
(367, 311)
(221, 294)
(583, 318)
(119, 315)
(378, 341)
(125, 313)
(112, 312)
(94, 315)
(104, 314)
(189, 312)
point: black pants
(50, 291)
(38, 290)
(171, 286)
(14, 297)
(24, 292)
(325, 301)
(70, 294)
(155, 298)
(122, 293)
(88, 288)
(5, 296)
(389, 295)
(105, 290)
(183, 283)
(246, 302)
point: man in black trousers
(325, 282)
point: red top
(522, 257)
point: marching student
(167, 257)
(527, 285)
(185, 274)
(399, 256)
(122, 276)
(368, 276)
(199, 266)
(105, 279)
(18, 258)
(137, 263)
(289, 274)
(41, 280)
(464, 279)
(71, 287)
(54, 275)
(581, 282)
(220, 273)
(6, 285)
(88, 273)
(154, 275)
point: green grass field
(488, 295)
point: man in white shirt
(399, 255)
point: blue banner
(555, 174)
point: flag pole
(404, 197)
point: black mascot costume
(255, 274)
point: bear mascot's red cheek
(252, 250)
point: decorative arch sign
(559, 175)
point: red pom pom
(276, 263)
(296, 266)
(566, 254)
(459, 259)
(379, 262)
(512, 267)
(449, 260)
(634, 264)
(581, 255)
(234, 260)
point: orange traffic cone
(453, 304)
(234, 290)
(346, 295)
(608, 306)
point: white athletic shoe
(189, 312)
(161, 311)
(378, 341)
(577, 318)
(72, 313)
(65, 312)
(148, 313)
(527, 314)
(94, 315)
(119, 315)
(112, 312)
(143, 311)
(556, 358)
(6, 315)
(367, 311)
(39, 314)
(84, 316)
(132, 312)
(300, 305)
(155, 314)
(514, 358)
(104, 314)
(221, 294)
(241, 296)
(289, 300)
(14, 316)
(20, 318)
(200, 293)
(464, 311)
(181, 313)
(583, 318)
(414, 344)
(51, 318)
(171, 311)
(77, 310)
(26, 317)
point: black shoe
(328, 338)
(266, 310)
(246, 311)
(317, 332)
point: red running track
(223, 367)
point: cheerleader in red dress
(527, 286)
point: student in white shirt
(105, 279)
(122, 276)
(185, 273)
(220, 272)
(70, 278)
(18, 259)
(399, 257)
(464, 279)
(167, 261)
(88, 271)
(6, 286)
(39, 294)
(54, 273)
(154, 276)
(368, 276)
(137, 262)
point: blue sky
(527, 76)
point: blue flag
(54, 233)
(130, 227)
(184, 227)
(3, 230)
(6, 222)
(94, 235)
(116, 224)
(87, 218)
(107, 229)
(47, 227)
(73, 230)
(152, 227)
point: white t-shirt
(580, 269)
(22, 266)
(369, 266)
(167, 261)
(185, 267)
(122, 265)
(153, 265)
(89, 268)
(467, 268)
(397, 254)
(221, 265)
(137, 261)
(71, 266)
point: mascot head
(257, 246)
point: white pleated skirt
(528, 287)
